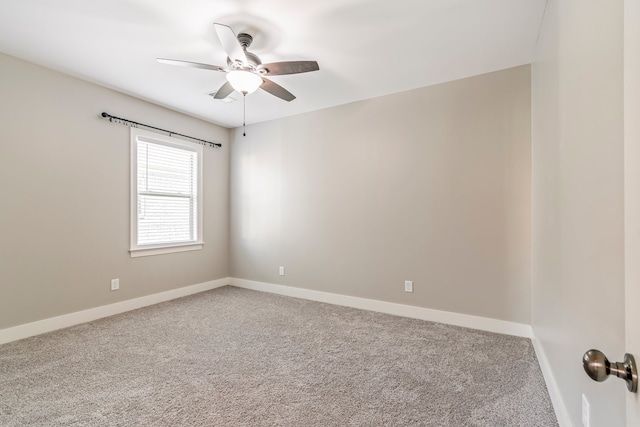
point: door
(632, 191)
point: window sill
(165, 249)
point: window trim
(136, 250)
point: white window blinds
(167, 194)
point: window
(166, 194)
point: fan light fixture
(244, 81)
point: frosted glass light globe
(244, 81)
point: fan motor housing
(252, 58)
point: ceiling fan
(245, 72)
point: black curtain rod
(136, 124)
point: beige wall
(431, 185)
(64, 177)
(577, 199)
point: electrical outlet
(408, 285)
(115, 284)
(282, 271)
(585, 411)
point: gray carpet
(234, 357)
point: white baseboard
(71, 319)
(552, 386)
(457, 319)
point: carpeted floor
(234, 357)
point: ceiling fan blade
(276, 90)
(191, 64)
(230, 43)
(289, 67)
(224, 91)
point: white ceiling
(365, 48)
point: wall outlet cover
(585, 411)
(115, 284)
(408, 285)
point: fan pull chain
(244, 114)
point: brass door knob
(598, 367)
